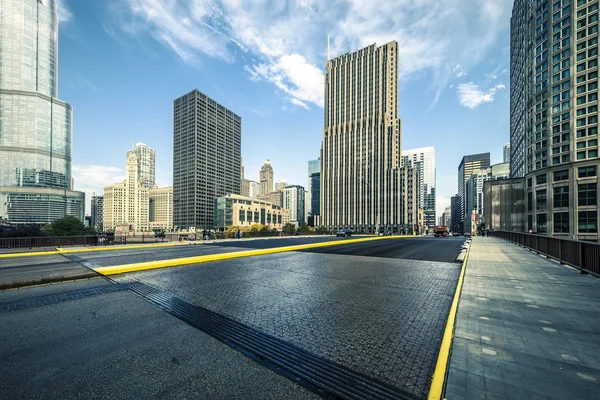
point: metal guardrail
(49, 241)
(584, 256)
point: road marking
(439, 375)
(177, 262)
(549, 329)
(488, 351)
(586, 377)
(484, 318)
(486, 338)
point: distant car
(467, 234)
(344, 233)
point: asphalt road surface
(376, 309)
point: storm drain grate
(322, 376)
(60, 297)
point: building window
(541, 223)
(540, 199)
(561, 196)
(561, 222)
(561, 175)
(588, 221)
(585, 172)
(587, 194)
(540, 179)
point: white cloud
(64, 14)
(471, 96)
(93, 178)
(287, 40)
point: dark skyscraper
(207, 161)
(467, 166)
(314, 186)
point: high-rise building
(240, 211)
(280, 185)
(146, 164)
(97, 211)
(467, 166)
(455, 213)
(409, 201)
(474, 198)
(126, 204)
(35, 126)
(207, 140)
(266, 178)
(314, 186)
(506, 155)
(554, 114)
(423, 161)
(360, 151)
(293, 200)
(160, 210)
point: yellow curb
(120, 269)
(439, 375)
(112, 248)
(31, 254)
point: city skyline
(467, 97)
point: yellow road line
(120, 269)
(439, 375)
(112, 248)
(29, 254)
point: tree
(68, 226)
(322, 229)
(289, 228)
(304, 228)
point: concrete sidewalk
(526, 328)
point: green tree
(289, 228)
(322, 229)
(304, 228)
(68, 226)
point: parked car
(467, 234)
(344, 233)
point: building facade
(293, 200)
(468, 165)
(280, 185)
(266, 178)
(554, 115)
(207, 141)
(314, 186)
(455, 214)
(360, 151)
(97, 212)
(236, 210)
(146, 158)
(126, 204)
(506, 154)
(409, 201)
(160, 209)
(35, 126)
(423, 162)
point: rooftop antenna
(328, 49)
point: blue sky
(123, 62)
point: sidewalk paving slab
(526, 327)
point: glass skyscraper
(554, 114)
(35, 127)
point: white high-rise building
(293, 200)
(160, 212)
(423, 161)
(146, 164)
(506, 151)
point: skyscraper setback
(207, 139)
(360, 151)
(35, 127)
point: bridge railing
(584, 256)
(49, 241)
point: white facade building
(423, 161)
(146, 159)
(160, 212)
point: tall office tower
(97, 208)
(35, 126)
(266, 178)
(293, 200)
(554, 82)
(360, 152)
(467, 166)
(146, 164)
(423, 161)
(314, 186)
(207, 139)
(506, 155)
(245, 188)
(455, 213)
(254, 189)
